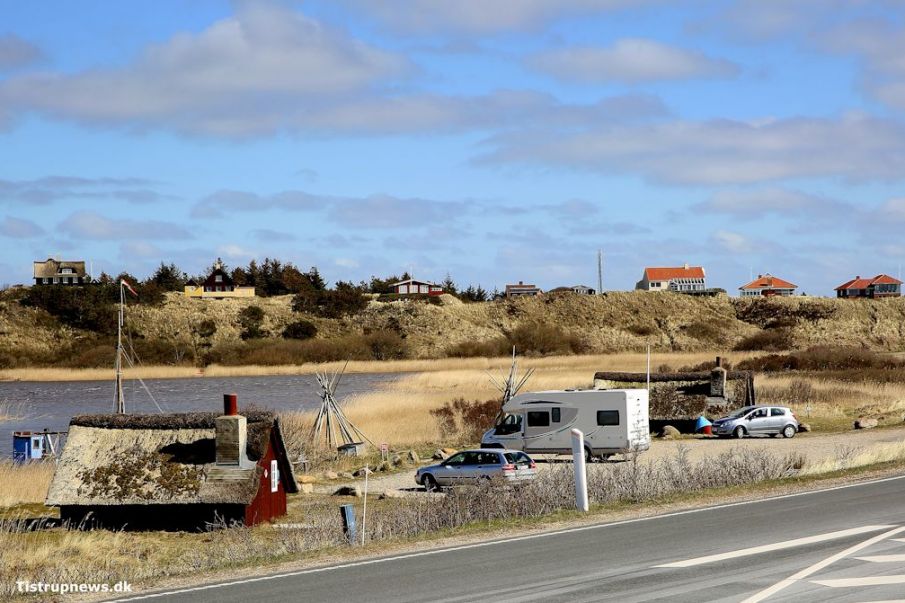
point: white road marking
(883, 558)
(898, 540)
(767, 592)
(778, 546)
(886, 601)
(866, 581)
(504, 540)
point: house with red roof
(881, 285)
(683, 279)
(768, 285)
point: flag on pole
(129, 287)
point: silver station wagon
(469, 466)
(758, 420)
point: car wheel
(739, 432)
(788, 431)
(430, 484)
(588, 456)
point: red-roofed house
(767, 285)
(683, 278)
(881, 285)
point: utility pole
(599, 271)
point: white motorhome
(614, 421)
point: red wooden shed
(184, 471)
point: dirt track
(814, 447)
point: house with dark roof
(767, 285)
(881, 285)
(60, 272)
(682, 278)
(415, 287)
(218, 285)
(184, 471)
(522, 289)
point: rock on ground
(670, 432)
(865, 423)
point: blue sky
(494, 141)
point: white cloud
(630, 60)
(855, 148)
(733, 242)
(94, 226)
(16, 52)
(241, 75)
(756, 202)
(481, 16)
(880, 45)
(17, 228)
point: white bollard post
(581, 474)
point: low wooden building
(184, 471)
(60, 272)
(678, 399)
(415, 287)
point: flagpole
(119, 400)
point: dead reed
(24, 483)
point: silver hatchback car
(758, 420)
(469, 466)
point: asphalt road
(834, 545)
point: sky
(495, 142)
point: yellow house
(218, 285)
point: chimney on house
(231, 434)
(686, 265)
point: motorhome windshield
(509, 424)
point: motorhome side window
(555, 414)
(608, 417)
(538, 418)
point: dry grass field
(24, 484)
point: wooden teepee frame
(512, 383)
(331, 425)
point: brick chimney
(232, 434)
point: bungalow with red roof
(684, 278)
(881, 285)
(768, 285)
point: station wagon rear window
(538, 418)
(608, 417)
(777, 412)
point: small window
(218, 278)
(555, 415)
(472, 458)
(777, 412)
(607, 417)
(538, 418)
(456, 459)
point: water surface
(51, 404)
